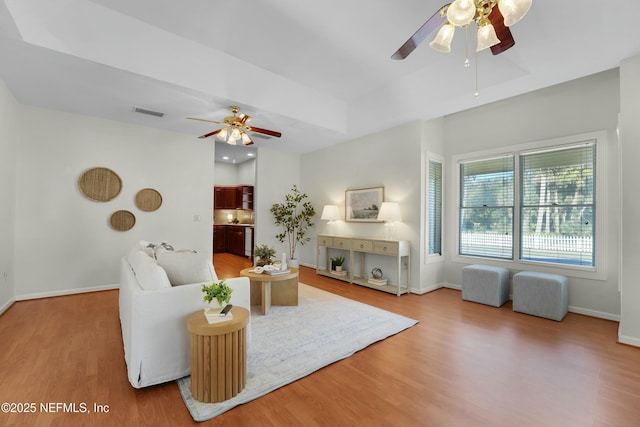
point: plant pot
(338, 268)
(293, 262)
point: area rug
(291, 342)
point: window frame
(599, 270)
(429, 257)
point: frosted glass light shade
(513, 10)
(486, 37)
(442, 41)
(222, 135)
(330, 213)
(389, 211)
(461, 12)
(235, 133)
(245, 138)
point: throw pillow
(186, 267)
(148, 274)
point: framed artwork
(362, 205)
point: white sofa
(153, 313)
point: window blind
(435, 207)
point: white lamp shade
(442, 41)
(389, 211)
(461, 12)
(330, 213)
(486, 37)
(513, 10)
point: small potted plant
(337, 262)
(219, 291)
(264, 255)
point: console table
(360, 247)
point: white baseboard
(594, 313)
(628, 340)
(7, 305)
(451, 286)
(425, 290)
(66, 292)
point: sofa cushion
(184, 268)
(148, 273)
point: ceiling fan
(492, 22)
(236, 128)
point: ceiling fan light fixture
(235, 133)
(245, 139)
(461, 12)
(513, 10)
(442, 41)
(231, 140)
(222, 135)
(486, 37)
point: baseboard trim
(594, 313)
(7, 305)
(451, 286)
(425, 290)
(622, 339)
(38, 295)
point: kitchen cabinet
(235, 240)
(219, 238)
(233, 197)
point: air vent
(149, 112)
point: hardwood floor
(463, 364)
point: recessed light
(250, 154)
(225, 157)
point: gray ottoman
(485, 284)
(541, 294)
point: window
(557, 206)
(435, 207)
(486, 207)
(554, 189)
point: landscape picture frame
(363, 204)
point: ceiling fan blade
(423, 32)
(502, 31)
(264, 131)
(207, 135)
(244, 118)
(205, 120)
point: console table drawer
(325, 241)
(387, 248)
(362, 245)
(341, 243)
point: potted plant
(337, 263)
(264, 255)
(294, 216)
(219, 291)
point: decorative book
(213, 315)
(276, 272)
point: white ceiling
(318, 72)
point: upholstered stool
(485, 284)
(541, 294)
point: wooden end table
(263, 294)
(218, 356)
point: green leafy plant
(218, 290)
(265, 253)
(338, 261)
(294, 216)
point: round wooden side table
(218, 356)
(285, 293)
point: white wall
(389, 159)
(225, 174)
(276, 172)
(63, 240)
(630, 153)
(579, 106)
(9, 140)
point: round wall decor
(122, 220)
(148, 200)
(100, 184)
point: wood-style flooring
(463, 364)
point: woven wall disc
(100, 184)
(122, 220)
(148, 200)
